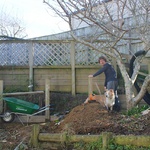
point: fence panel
(14, 54)
(51, 58)
(46, 54)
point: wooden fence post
(73, 67)
(1, 96)
(47, 99)
(31, 54)
(34, 136)
(106, 136)
(90, 86)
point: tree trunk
(128, 85)
(129, 94)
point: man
(111, 81)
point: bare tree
(115, 22)
(11, 26)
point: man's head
(102, 60)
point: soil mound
(93, 118)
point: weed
(97, 145)
(136, 111)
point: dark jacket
(110, 74)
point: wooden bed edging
(141, 140)
(62, 138)
(38, 138)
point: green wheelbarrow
(20, 107)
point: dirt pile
(92, 118)
(82, 119)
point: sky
(37, 17)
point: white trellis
(44, 53)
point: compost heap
(93, 118)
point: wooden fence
(55, 141)
(25, 64)
(61, 78)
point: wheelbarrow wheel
(8, 117)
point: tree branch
(143, 90)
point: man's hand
(90, 76)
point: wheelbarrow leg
(20, 119)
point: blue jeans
(112, 85)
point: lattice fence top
(51, 54)
(15, 53)
(85, 56)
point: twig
(17, 148)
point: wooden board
(34, 119)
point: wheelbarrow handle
(41, 110)
(44, 107)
